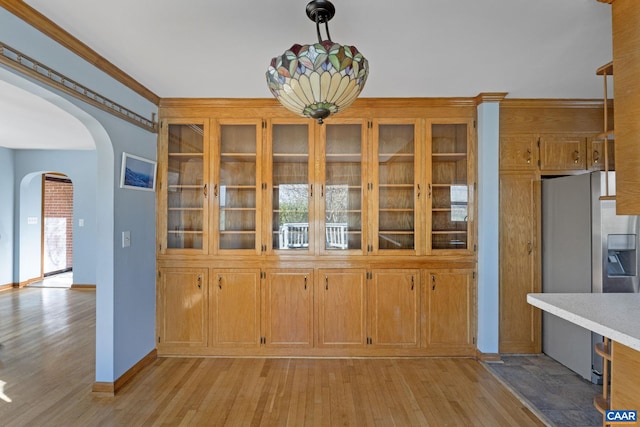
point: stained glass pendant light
(317, 80)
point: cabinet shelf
(601, 404)
(184, 231)
(603, 350)
(396, 210)
(237, 232)
(185, 209)
(187, 155)
(448, 157)
(398, 232)
(605, 70)
(449, 232)
(396, 186)
(238, 209)
(185, 187)
(238, 187)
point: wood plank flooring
(47, 362)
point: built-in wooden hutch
(280, 236)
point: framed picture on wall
(138, 173)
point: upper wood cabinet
(519, 152)
(563, 153)
(183, 196)
(351, 187)
(596, 154)
(450, 187)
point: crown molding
(52, 30)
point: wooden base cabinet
(182, 307)
(235, 308)
(288, 308)
(450, 296)
(394, 308)
(341, 308)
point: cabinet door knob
(528, 155)
(576, 156)
(220, 282)
(529, 247)
(596, 156)
(418, 191)
(215, 190)
(205, 190)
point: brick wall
(58, 203)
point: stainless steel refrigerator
(586, 247)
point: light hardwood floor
(47, 362)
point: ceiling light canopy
(320, 79)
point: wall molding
(110, 389)
(83, 287)
(28, 282)
(56, 33)
(8, 286)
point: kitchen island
(614, 316)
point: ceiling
(415, 48)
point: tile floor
(560, 396)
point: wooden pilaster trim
(490, 97)
(58, 34)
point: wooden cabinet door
(596, 155)
(288, 308)
(451, 309)
(236, 308)
(394, 187)
(450, 187)
(563, 153)
(394, 301)
(183, 177)
(342, 211)
(237, 174)
(182, 307)
(519, 152)
(341, 308)
(289, 177)
(519, 261)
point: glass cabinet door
(449, 186)
(341, 191)
(236, 190)
(397, 188)
(291, 190)
(186, 187)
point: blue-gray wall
(80, 167)
(125, 279)
(6, 215)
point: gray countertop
(615, 316)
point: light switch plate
(126, 239)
